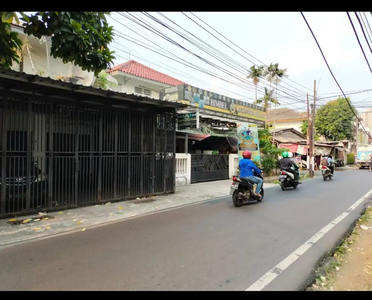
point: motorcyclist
(289, 165)
(330, 163)
(247, 166)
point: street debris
(42, 214)
(48, 227)
(80, 222)
(364, 227)
(74, 220)
(83, 229)
(120, 207)
(36, 228)
(107, 203)
(28, 220)
(60, 213)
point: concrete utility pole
(311, 138)
(308, 134)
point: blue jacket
(246, 167)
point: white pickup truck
(363, 157)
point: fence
(55, 155)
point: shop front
(212, 115)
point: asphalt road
(209, 246)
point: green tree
(274, 74)
(102, 81)
(78, 37)
(334, 120)
(256, 73)
(269, 151)
(304, 126)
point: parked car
(16, 183)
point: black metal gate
(56, 155)
(209, 167)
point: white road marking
(261, 283)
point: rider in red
(247, 166)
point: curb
(109, 222)
(327, 258)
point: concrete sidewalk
(83, 218)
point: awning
(291, 147)
(302, 149)
(197, 137)
(322, 150)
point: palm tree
(267, 100)
(256, 73)
(274, 74)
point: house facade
(136, 78)
(64, 145)
(286, 118)
(36, 60)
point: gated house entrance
(64, 145)
(209, 167)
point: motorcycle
(339, 163)
(242, 191)
(326, 173)
(287, 180)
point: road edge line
(269, 276)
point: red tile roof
(135, 68)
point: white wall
(40, 58)
(127, 85)
(183, 169)
(294, 124)
(233, 165)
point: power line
(361, 26)
(232, 43)
(331, 70)
(360, 45)
(194, 43)
(168, 39)
(366, 26)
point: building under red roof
(135, 68)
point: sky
(244, 39)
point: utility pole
(311, 137)
(308, 133)
(356, 137)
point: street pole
(308, 133)
(356, 138)
(311, 125)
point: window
(138, 90)
(147, 92)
